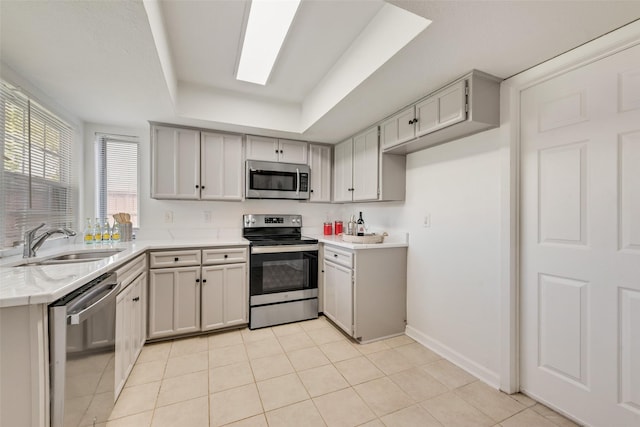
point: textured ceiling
(100, 59)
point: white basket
(367, 238)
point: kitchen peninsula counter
(43, 284)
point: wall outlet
(207, 216)
(168, 217)
(427, 221)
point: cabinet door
(138, 315)
(365, 165)
(174, 301)
(262, 148)
(399, 128)
(224, 296)
(329, 290)
(320, 164)
(292, 151)
(122, 341)
(175, 163)
(342, 171)
(442, 109)
(187, 300)
(213, 283)
(222, 166)
(338, 295)
(236, 298)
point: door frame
(510, 179)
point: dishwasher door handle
(81, 316)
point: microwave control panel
(304, 182)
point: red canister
(328, 231)
(338, 227)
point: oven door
(286, 271)
(270, 180)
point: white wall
(188, 216)
(453, 266)
(453, 277)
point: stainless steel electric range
(283, 277)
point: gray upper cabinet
(175, 165)
(276, 150)
(361, 172)
(442, 109)
(466, 106)
(192, 165)
(320, 164)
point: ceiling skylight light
(267, 27)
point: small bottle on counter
(115, 232)
(351, 226)
(97, 232)
(106, 231)
(360, 226)
(88, 232)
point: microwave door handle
(297, 181)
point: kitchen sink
(72, 258)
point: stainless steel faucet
(33, 243)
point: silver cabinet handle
(81, 316)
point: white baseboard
(478, 371)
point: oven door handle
(282, 248)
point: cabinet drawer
(337, 256)
(131, 270)
(224, 256)
(174, 258)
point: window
(117, 176)
(36, 181)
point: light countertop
(399, 240)
(44, 284)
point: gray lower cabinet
(174, 301)
(225, 292)
(208, 293)
(365, 291)
(131, 315)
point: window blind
(36, 179)
(117, 176)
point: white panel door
(580, 241)
(365, 165)
(222, 166)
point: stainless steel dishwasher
(82, 336)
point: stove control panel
(261, 220)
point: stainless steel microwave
(274, 180)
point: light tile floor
(309, 374)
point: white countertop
(44, 284)
(399, 240)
